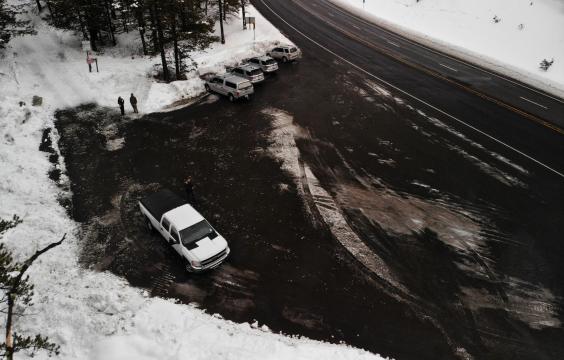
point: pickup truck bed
(161, 202)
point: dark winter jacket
(133, 100)
(120, 101)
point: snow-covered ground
(95, 315)
(528, 31)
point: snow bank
(96, 315)
(528, 32)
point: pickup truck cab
(266, 63)
(232, 86)
(185, 229)
(251, 72)
(285, 53)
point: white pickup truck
(185, 229)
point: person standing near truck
(121, 104)
(189, 188)
(133, 101)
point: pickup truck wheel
(231, 98)
(207, 87)
(188, 266)
(284, 59)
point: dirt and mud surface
(321, 175)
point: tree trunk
(110, 25)
(244, 18)
(9, 334)
(39, 7)
(154, 36)
(221, 22)
(160, 34)
(93, 34)
(82, 27)
(176, 50)
(142, 32)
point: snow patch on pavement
(484, 166)
(333, 217)
(532, 304)
(282, 142)
(283, 146)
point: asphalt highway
(464, 93)
(510, 93)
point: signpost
(90, 60)
(86, 46)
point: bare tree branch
(15, 289)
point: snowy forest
(178, 25)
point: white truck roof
(183, 217)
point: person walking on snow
(133, 101)
(121, 104)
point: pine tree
(15, 288)
(9, 24)
(194, 33)
(91, 17)
(166, 27)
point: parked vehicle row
(238, 82)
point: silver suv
(251, 72)
(266, 63)
(234, 87)
(285, 53)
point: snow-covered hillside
(508, 36)
(95, 315)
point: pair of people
(132, 100)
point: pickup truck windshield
(197, 232)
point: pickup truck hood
(207, 247)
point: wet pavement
(461, 239)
